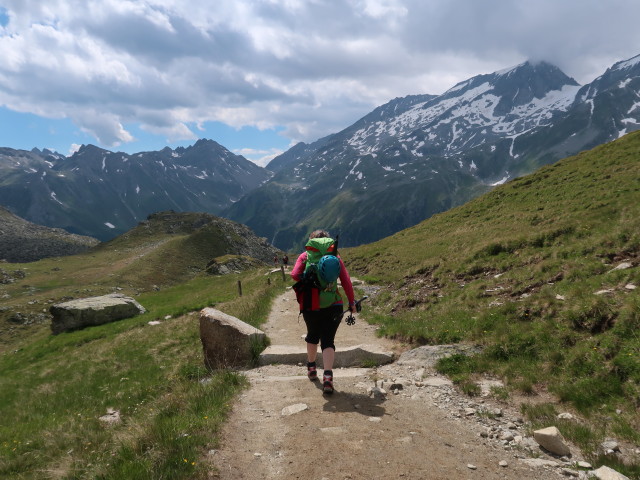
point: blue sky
(25, 131)
(258, 76)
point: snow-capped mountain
(103, 194)
(420, 155)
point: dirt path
(421, 432)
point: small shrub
(500, 393)
(456, 364)
(469, 387)
(257, 346)
(594, 315)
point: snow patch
(110, 225)
(624, 83)
(500, 182)
(54, 198)
(633, 107)
(137, 189)
(628, 63)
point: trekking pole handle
(359, 302)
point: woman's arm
(345, 281)
(298, 268)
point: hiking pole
(351, 320)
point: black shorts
(322, 326)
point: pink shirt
(345, 280)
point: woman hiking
(316, 272)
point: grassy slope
(54, 388)
(517, 270)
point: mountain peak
(529, 66)
(624, 64)
(90, 148)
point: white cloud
(312, 67)
(73, 149)
(259, 157)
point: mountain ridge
(106, 193)
(406, 160)
(439, 151)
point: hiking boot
(327, 382)
(311, 371)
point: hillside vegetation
(53, 389)
(544, 272)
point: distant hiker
(316, 272)
(285, 260)
(275, 260)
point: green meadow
(53, 389)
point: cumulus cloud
(310, 67)
(261, 157)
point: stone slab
(354, 356)
(92, 311)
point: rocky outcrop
(231, 264)
(86, 312)
(228, 342)
(23, 241)
(222, 238)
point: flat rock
(606, 473)
(437, 382)
(92, 311)
(293, 409)
(428, 355)
(539, 462)
(354, 356)
(622, 266)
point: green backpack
(318, 287)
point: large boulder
(86, 312)
(228, 342)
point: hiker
(275, 260)
(285, 260)
(320, 301)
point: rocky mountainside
(420, 155)
(23, 241)
(103, 194)
(205, 233)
